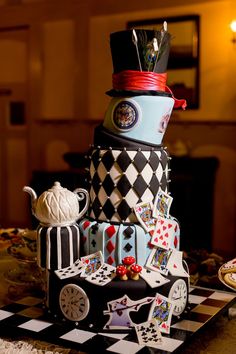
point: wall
(217, 58)
(55, 95)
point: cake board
(27, 317)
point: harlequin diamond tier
(122, 178)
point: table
(27, 319)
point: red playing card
(165, 229)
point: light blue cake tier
(117, 241)
(142, 118)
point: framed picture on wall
(183, 65)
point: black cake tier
(95, 304)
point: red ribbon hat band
(132, 80)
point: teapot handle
(33, 196)
(82, 193)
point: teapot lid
(56, 187)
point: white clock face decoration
(179, 295)
(74, 302)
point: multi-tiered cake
(130, 269)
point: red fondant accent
(139, 80)
(86, 224)
(110, 247)
(175, 242)
(110, 231)
(132, 80)
(179, 103)
(110, 260)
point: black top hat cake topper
(140, 59)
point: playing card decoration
(158, 260)
(162, 204)
(164, 232)
(143, 212)
(153, 279)
(71, 271)
(161, 310)
(119, 310)
(175, 264)
(148, 333)
(103, 275)
(91, 263)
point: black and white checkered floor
(28, 318)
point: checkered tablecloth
(28, 317)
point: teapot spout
(33, 195)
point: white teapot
(58, 206)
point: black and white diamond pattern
(122, 178)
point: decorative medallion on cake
(126, 114)
(164, 122)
